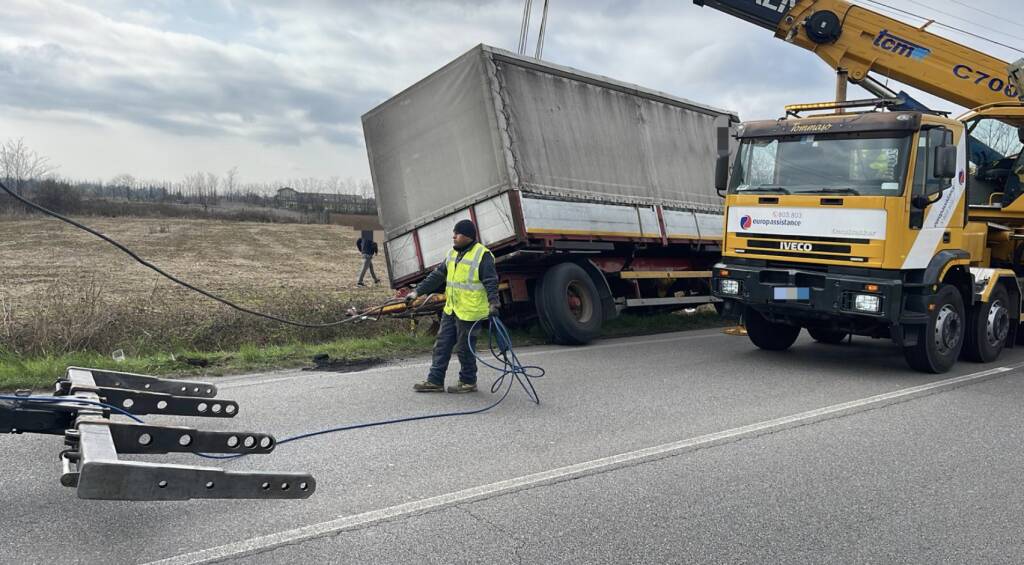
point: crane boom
(859, 41)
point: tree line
(30, 174)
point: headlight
(729, 286)
(867, 303)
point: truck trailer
(594, 195)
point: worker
(368, 248)
(470, 283)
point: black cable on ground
(205, 293)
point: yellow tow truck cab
(895, 224)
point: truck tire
(542, 311)
(569, 305)
(831, 337)
(769, 335)
(939, 345)
(988, 324)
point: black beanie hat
(466, 228)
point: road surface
(691, 447)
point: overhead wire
(926, 6)
(1000, 17)
(944, 25)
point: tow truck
(878, 217)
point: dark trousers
(367, 266)
(453, 335)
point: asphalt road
(600, 472)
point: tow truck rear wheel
(940, 342)
(772, 336)
(831, 337)
(988, 324)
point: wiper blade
(830, 191)
(766, 188)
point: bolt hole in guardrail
(128, 403)
(230, 409)
(265, 442)
(284, 486)
(145, 439)
(185, 440)
(162, 484)
(161, 405)
(209, 484)
(215, 409)
(265, 486)
(303, 486)
(249, 441)
(202, 407)
(233, 441)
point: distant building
(288, 197)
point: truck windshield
(854, 164)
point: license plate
(792, 293)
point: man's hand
(494, 310)
(411, 296)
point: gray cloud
(287, 74)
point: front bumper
(815, 297)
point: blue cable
(499, 342)
(498, 337)
(71, 399)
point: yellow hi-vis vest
(465, 295)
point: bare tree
(20, 165)
(230, 183)
(122, 185)
(998, 135)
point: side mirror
(945, 162)
(722, 173)
(922, 201)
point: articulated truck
(879, 217)
(594, 195)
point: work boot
(462, 388)
(361, 284)
(427, 386)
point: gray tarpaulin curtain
(492, 120)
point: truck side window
(924, 179)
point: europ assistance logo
(746, 222)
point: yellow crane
(903, 224)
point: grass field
(68, 298)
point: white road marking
(264, 543)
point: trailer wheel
(569, 305)
(943, 337)
(988, 324)
(831, 337)
(772, 336)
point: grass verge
(40, 371)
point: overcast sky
(162, 88)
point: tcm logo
(746, 222)
(900, 46)
(794, 246)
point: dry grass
(63, 290)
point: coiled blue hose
(499, 343)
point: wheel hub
(998, 323)
(579, 305)
(948, 329)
